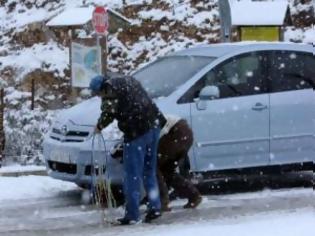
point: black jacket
(131, 106)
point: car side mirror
(206, 94)
(209, 93)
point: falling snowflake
(292, 56)
(282, 66)
(249, 74)
(211, 166)
(272, 156)
(235, 108)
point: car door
(233, 130)
(292, 107)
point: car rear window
(165, 75)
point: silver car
(250, 105)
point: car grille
(70, 136)
(62, 167)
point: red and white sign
(100, 20)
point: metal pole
(99, 54)
(2, 133)
(105, 56)
(225, 19)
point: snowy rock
(164, 28)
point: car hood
(87, 113)
(84, 113)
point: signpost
(101, 23)
(100, 20)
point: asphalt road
(64, 214)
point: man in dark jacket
(124, 99)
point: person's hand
(97, 130)
(117, 151)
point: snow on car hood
(85, 113)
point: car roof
(221, 49)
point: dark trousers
(173, 148)
(140, 163)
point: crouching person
(176, 138)
(124, 99)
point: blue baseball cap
(96, 83)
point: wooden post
(74, 91)
(104, 56)
(2, 133)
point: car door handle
(259, 107)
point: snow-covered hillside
(28, 50)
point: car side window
(292, 71)
(242, 75)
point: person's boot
(193, 202)
(125, 221)
(152, 215)
(166, 208)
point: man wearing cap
(124, 99)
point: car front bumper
(71, 161)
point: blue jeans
(140, 164)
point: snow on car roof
(221, 49)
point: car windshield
(165, 75)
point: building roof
(77, 17)
(247, 12)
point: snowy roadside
(26, 187)
(40, 205)
(286, 223)
(19, 170)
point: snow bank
(18, 168)
(32, 187)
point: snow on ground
(182, 13)
(309, 36)
(26, 187)
(295, 223)
(306, 35)
(51, 207)
(18, 168)
(49, 57)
